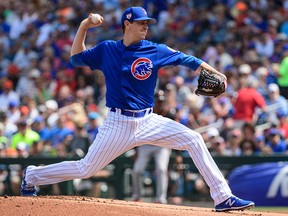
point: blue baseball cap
(274, 131)
(136, 14)
(13, 104)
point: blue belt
(135, 114)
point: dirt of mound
(78, 206)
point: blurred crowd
(48, 107)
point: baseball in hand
(95, 18)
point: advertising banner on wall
(266, 184)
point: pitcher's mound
(78, 206)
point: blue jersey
(131, 72)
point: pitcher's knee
(86, 170)
(195, 139)
(198, 137)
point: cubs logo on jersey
(141, 68)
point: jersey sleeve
(90, 57)
(168, 56)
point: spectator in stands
(59, 132)
(247, 147)
(208, 109)
(211, 134)
(275, 141)
(8, 95)
(13, 112)
(274, 98)
(189, 114)
(260, 142)
(42, 93)
(264, 45)
(221, 107)
(284, 27)
(50, 113)
(225, 59)
(65, 96)
(32, 107)
(248, 131)
(27, 83)
(66, 84)
(182, 91)
(5, 46)
(244, 71)
(37, 150)
(234, 138)
(282, 78)
(43, 146)
(218, 147)
(261, 74)
(24, 135)
(283, 123)
(247, 101)
(39, 126)
(25, 55)
(215, 142)
(79, 143)
(49, 84)
(177, 178)
(24, 112)
(9, 128)
(92, 125)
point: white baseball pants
(120, 133)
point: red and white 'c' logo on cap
(128, 16)
(144, 11)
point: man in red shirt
(246, 103)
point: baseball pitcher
(130, 67)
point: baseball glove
(210, 84)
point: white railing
(269, 109)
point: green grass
(271, 209)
